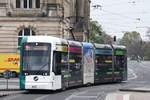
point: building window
(30, 3)
(37, 3)
(25, 32)
(18, 4)
(25, 3)
(52, 7)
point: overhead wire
(136, 20)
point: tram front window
(36, 59)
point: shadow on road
(72, 88)
(42, 92)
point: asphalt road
(138, 75)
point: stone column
(22, 4)
(33, 3)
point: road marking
(75, 94)
(118, 96)
(42, 98)
(12, 97)
(126, 97)
(85, 97)
(112, 97)
(134, 75)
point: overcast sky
(118, 16)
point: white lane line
(85, 97)
(42, 98)
(75, 94)
(134, 75)
(126, 97)
(12, 97)
(111, 97)
(118, 96)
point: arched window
(25, 32)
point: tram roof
(56, 40)
(87, 45)
(107, 46)
(119, 47)
(46, 39)
(74, 43)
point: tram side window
(64, 61)
(60, 62)
(103, 59)
(75, 61)
(57, 63)
(120, 61)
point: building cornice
(30, 19)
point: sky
(119, 16)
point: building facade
(67, 19)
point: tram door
(75, 67)
(60, 67)
(124, 76)
(120, 70)
(103, 61)
(104, 68)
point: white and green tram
(50, 63)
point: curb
(10, 89)
(7, 93)
(136, 90)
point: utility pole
(113, 56)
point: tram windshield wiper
(43, 66)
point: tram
(50, 63)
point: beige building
(61, 18)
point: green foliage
(97, 34)
(131, 37)
(134, 44)
(147, 50)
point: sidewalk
(130, 94)
(10, 92)
(12, 80)
(12, 89)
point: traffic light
(115, 38)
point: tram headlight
(26, 74)
(45, 74)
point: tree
(97, 35)
(133, 42)
(148, 33)
(130, 37)
(147, 50)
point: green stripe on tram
(120, 52)
(22, 78)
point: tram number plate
(34, 86)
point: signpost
(7, 76)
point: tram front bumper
(39, 86)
